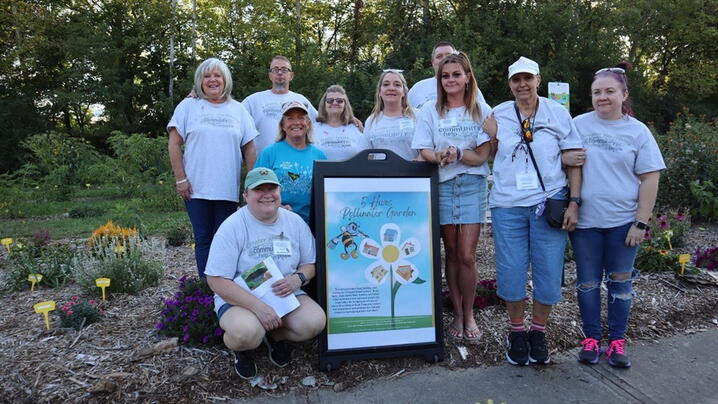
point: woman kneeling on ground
(257, 231)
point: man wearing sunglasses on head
(266, 106)
(425, 90)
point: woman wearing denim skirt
(621, 171)
(449, 133)
(531, 128)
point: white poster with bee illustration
(379, 262)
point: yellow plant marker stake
(34, 278)
(684, 259)
(102, 283)
(45, 308)
(6, 242)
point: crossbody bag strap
(528, 145)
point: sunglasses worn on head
(617, 70)
(280, 69)
(335, 101)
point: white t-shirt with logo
(456, 128)
(213, 135)
(393, 133)
(617, 152)
(553, 131)
(425, 90)
(340, 143)
(265, 107)
(242, 241)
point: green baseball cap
(259, 176)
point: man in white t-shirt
(425, 90)
(266, 106)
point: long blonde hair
(470, 92)
(406, 109)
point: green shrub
(189, 315)
(126, 264)
(177, 236)
(667, 231)
(85, 211)
(706, 199)
(79, 313)
(128, 214)
(140, 156)
(53, 261)
(650, 259)
(689, 149)
(60, 158)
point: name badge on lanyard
(281, 246)
(526, 181)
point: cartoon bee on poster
(348, 237)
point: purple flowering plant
(189, 314)
(707, 258)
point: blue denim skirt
(463, 200)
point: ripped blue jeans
(602, 256)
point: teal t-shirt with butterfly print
(295, 169)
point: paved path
(679, 369)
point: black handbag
(554, 209)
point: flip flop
(475, 332)
(455, 333)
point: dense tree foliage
(58, 58)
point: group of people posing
(599, 169)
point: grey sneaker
(616, 354)
(517, 348)
(591, 351)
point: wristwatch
(640, 225)
(576, 199)
(302, 278)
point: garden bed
(113, 359)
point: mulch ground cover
(117, 358)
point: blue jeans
(206, 216)
(521, 239)
(600, 253)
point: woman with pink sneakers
(620, 182)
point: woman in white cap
(216, 132)
(255, 232)
(449, 134)
(335, 131)
(392, 121)
(533, 132)
(292, 157)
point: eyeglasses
(276, 70)
(335, 101)
(527, 135)
(617, 70)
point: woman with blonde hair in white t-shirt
(392, 121)
(449, 133)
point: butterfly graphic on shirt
(293, 176)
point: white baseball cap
(523, 65)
